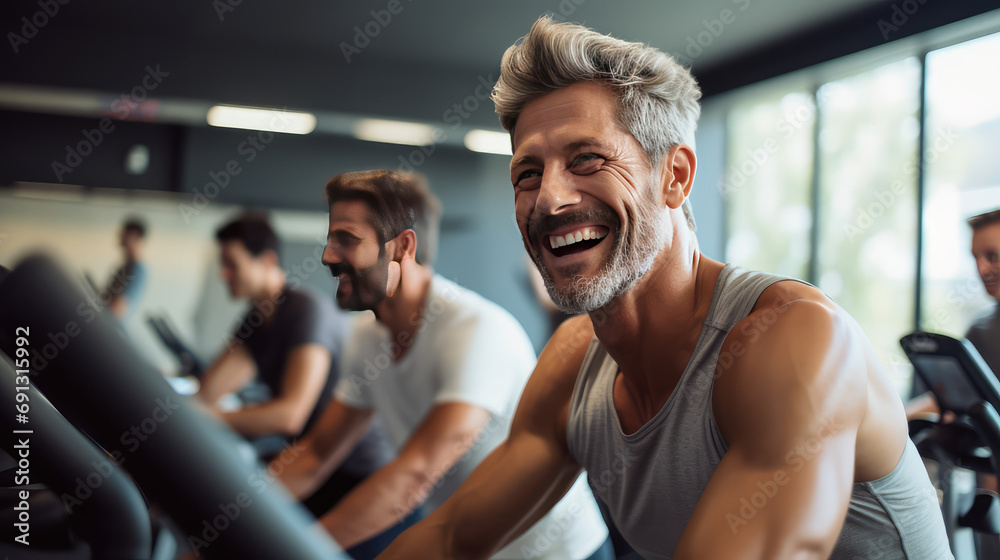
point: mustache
(551, 222)
(336, 269)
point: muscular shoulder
(772, 308)
(793, 329)
(796, 358)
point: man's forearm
(269, 418)
(300, 475)
(429, 537)
(382, 500)
(921, 405)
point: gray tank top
(652, 480)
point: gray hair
(657, 97)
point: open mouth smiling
(576, 240)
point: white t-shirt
(466, 349)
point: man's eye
(585, 159)
(528, 175)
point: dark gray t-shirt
(984, 334)
(302, 316)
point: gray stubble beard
(630, 260)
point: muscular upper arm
(789, 408)
(524, 476)
(233, 369)
(445, 434)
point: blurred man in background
(128, 284)
(985, 332)
(291, 340)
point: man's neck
(271, 291)
(651, 330)
(403, 312)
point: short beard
(368, 286)
(630, 260)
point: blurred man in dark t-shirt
(290, 339)
(985, 332)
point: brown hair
(397, 202)
(254, 231)
(983, 220)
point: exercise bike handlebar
(985, 419)
(186, 462)
(107, 510)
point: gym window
(824, 180)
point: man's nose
(557, 192)
(330, 256)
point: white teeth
(556, 241)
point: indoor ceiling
(415, 64)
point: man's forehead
(234, 248)
(349, 212)
(988, 232)
(590, 107)
(589, 96)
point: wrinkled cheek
(523, 206)
(632, 218)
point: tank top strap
(737, 291)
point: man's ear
(405, 245)
(677, 169)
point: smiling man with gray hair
(718, 412)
